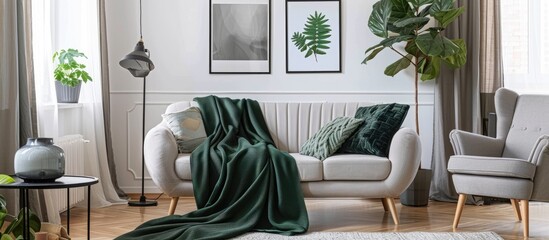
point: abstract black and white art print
(313, 36)
(240, 36)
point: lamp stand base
(143, 202)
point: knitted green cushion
(187, 127)
(381, 122)
(329, 138)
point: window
(525, 44)
(63, 24)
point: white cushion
(356, 167)
(491, 166)
(310, 168)
(187, 127)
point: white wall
(176, 33)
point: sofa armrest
(405, 157)
(540, 157)
(465, 143)
(160, 149)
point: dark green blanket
(241, 181)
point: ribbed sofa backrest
(292, 123)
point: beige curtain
(491, 63)
(17, 98)
(464, 97)
(106, 93)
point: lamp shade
(138, 62)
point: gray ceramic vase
(39, 161)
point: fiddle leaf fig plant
(68, 71)
(406, 22)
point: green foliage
(6, 179)
(15, 228)
(314, 38)
(404, 20)
(398, 21)
(398, 66)
(68, 71)
(379, 18)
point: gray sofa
(291, 124)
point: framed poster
(240, 36)
(313, 36)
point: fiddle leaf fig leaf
(460, 57)
(372, 55)
(434, 44)
(430, 68)
(411, 20)
(441, 6)
(449, 16)
(450, 48)
(388, 42)
(398, 66)
(412, 48)
(400, 9)
(395, 39)
(418, 3)
(380, 18)
(430, 43)
(425, 11)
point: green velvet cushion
(381, 122)
(187, 127)
(329, 138)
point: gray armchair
(513, 165)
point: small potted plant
(69, 75)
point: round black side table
(67, 181)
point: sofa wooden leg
(459, 209)
(391, 204)
(173, 205)
(516, 208)
(385, 207)
(525, 217)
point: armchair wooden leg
(385, 207)
(459, 209)
(515, 204)
(391, 204)
(173, 205)
(525, 216)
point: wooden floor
(338, 215)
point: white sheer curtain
(62, 24)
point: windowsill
(69, 105)
(64, 105)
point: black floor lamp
(139, 64)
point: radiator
(73, 146)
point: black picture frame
(297, 13)
(253, 54)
